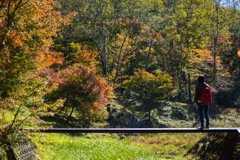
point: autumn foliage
(82, 91)
(150, 86)
(27, 28)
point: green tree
(99, 24)
(92, 24)
(150, 86)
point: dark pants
(203, 112)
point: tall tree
(92, 24)
(98, 23)
(27, 28)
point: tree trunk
(189, 89)
(149, 115)
(103, 43)
(119, 62)
(148, 56)
(68, 118)
(215, 38)
(10, 153)
(214, 65)
(104, 61)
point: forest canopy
(69, 58)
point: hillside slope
(217, 146)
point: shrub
(83, 92)
(148, 85)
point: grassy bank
(95, 147)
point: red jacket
(198, 91)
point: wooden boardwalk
(133, 130)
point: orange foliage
(86, 57)
(49, 58)
(203, 61)
(36, 22)
(124, 52)
(27, 29)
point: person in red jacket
(203, 109)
